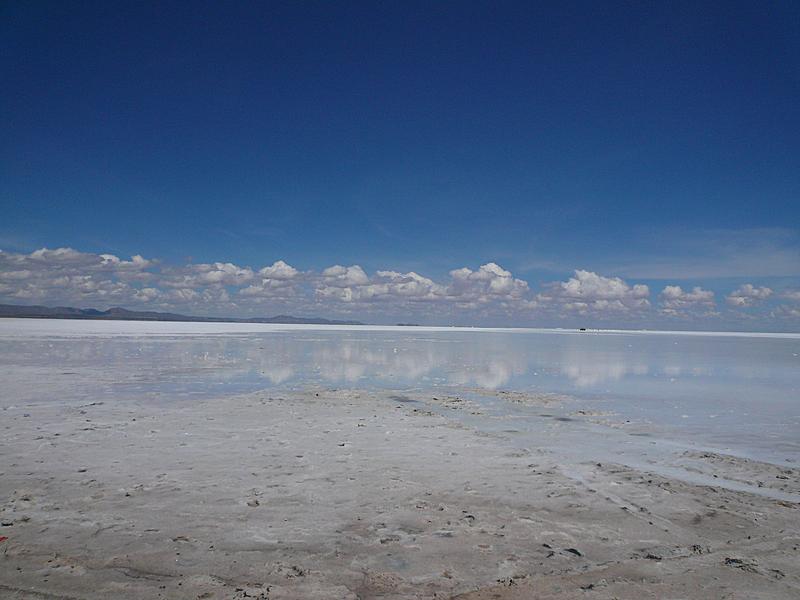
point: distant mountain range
(122, 314)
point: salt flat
(394, 464)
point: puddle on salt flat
(739, 393)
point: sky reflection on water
(713, 388)
(645, 366)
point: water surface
(735, 392)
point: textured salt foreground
(356, 495)
(464, 491)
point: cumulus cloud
(147, 294)
(339, 276)
(136, 263)
(747, 295)
(62, 256)
(278, 280)
(65, 276)
(793, 295)
(675, 301)
(489, 285)
(351, 284)
(786, 311)
(205, 274)
(279, 270)
(589, 293)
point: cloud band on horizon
(488, 293)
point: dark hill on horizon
(122, 314)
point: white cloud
(490, 283)
(788, 311)
(148, 294)
(785, 311)
(343, 277)
(15, 275)
(490, 286)
(67, 275)
(181, 295)
(59, 256)
(676, 302)
(747, 295)
(279, 270)
(203, 275)
(279, 280)
(351, 284)
(589, 293)
(488, 293)
(793, 295)
(410, 286)
(136, 263)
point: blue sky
(655, 144)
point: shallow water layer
(739, 393)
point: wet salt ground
(734, 394)
(565, 430)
